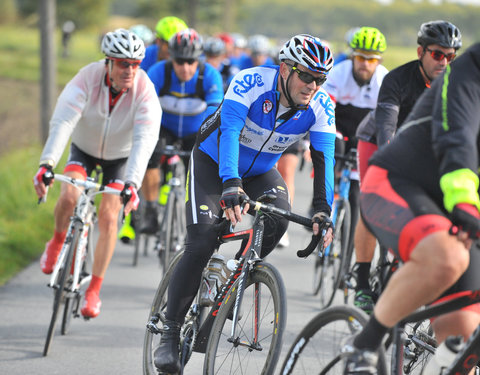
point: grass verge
(25, 226)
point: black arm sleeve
(319, 191)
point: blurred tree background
(399, 20)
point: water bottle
(163, 196)
(444, 356)
(214, 276)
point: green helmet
(169, 26)
(369, 39)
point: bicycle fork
(249, 264)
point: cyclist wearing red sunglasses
(399, 91)
(112, 114)
(420, 198)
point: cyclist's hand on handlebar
(130, 197)
(42, 179)
(318, 218)
(466, 218)
(231, 199)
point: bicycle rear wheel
(317, 348)
(59, 294)
(157, 313)
(256, 348)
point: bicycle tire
(346, 251)
(72, 300)
(175, 229)
(316, 349)
(60, 289)
(222, 357)
(331, 267)
(169, 227)
(136, 216)
(151, 340)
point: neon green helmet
(369, 39)
(169, 26)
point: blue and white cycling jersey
(252, 138)
(183, 107)
(151, 55)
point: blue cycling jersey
(184, 108)
(252, 136)
(151, 54)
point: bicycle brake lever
(44, 198)
(311, 246)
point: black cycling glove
(466, 218)
(232, 194)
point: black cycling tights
(201, 240)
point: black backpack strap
(199, 91)
(168, 79)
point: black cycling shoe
(166, 357)
(150, 220)
(358, 361)
(365, 299)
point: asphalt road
(112, 342)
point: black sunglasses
(439, 55)
(181, 61)
(308, 78)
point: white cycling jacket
(82, 112)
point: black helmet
(443, 33)
(186, 44)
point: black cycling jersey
(400, 90)
(441, 134)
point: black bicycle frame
(469, 355)
(248, 252)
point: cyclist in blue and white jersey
(266, 109)
(185, 87)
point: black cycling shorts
(79, 161)
(400, 214)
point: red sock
(95, 284)
(59, 237)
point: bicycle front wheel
(60, 292)
(175, 225)
(256, 347)
(157, 313)
(316, 350)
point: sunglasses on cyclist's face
(308, 78)
(439, 55)
(181, 61)
(126, 63)
(361, 57)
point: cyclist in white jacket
(111, 112)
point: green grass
(25, 226)
(20, 53)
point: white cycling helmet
(144, 33)
(123, 44)
(259, 44)
(308, 51)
